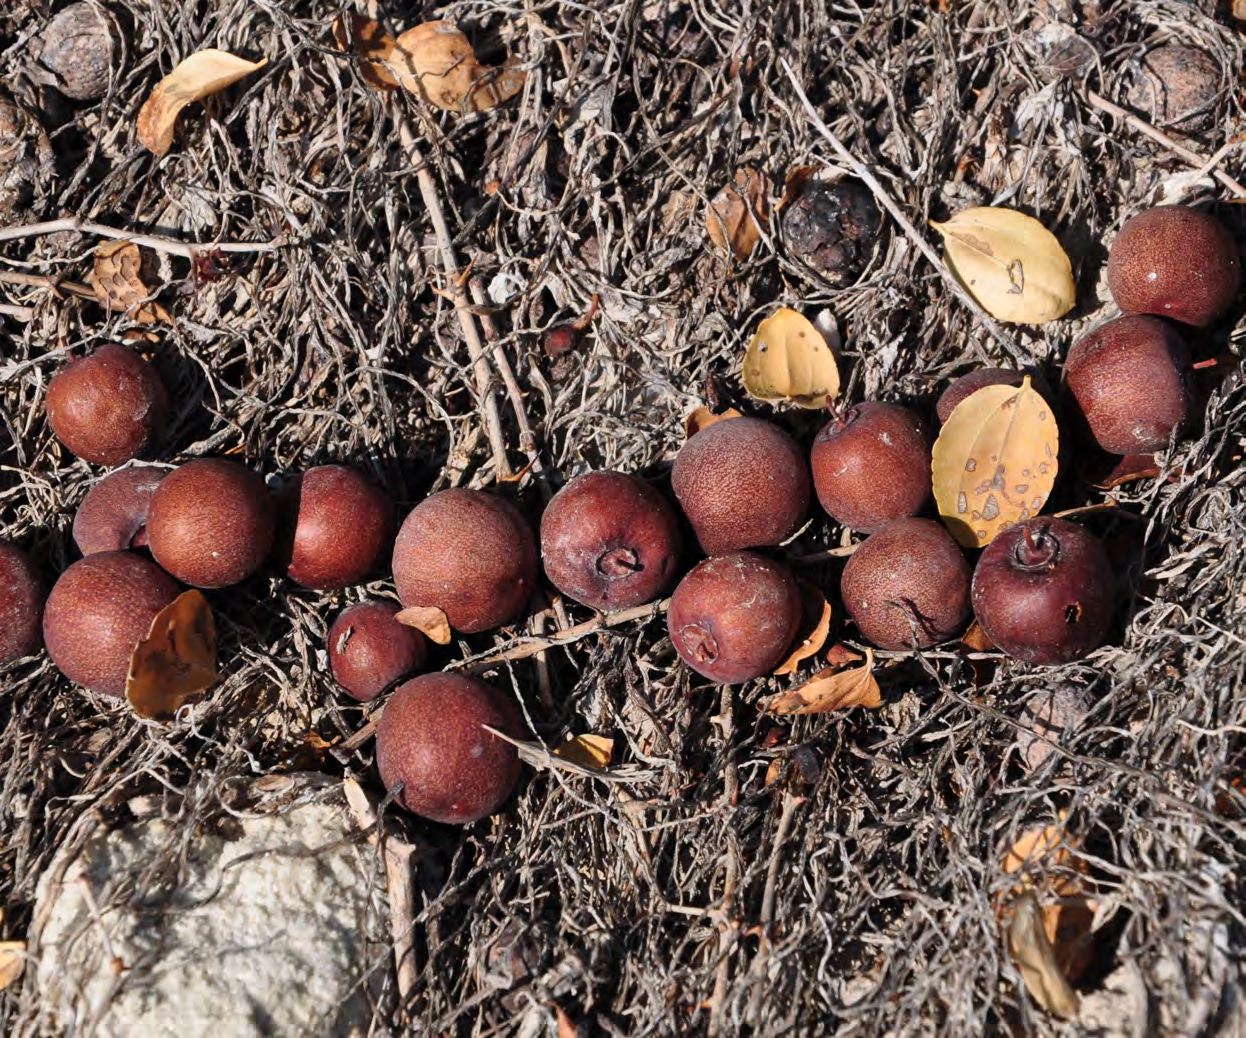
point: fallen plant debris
(831, 689)
(731, 219)
(204, 73)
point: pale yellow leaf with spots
(994, 462)
(789, 359)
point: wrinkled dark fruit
(98, 612)
(21, 604)
(964, 387)
(469, 554)
(1172, 261)
(211, 523)
(369, 650)
(81, 48)
(742, 483)
(871, 464)
(833, 228)
(430, 739)
(335, 524)
(113, 515)
(609, 541)
(108, 406)
(1044, 591)
(1128, 376)
(907, 586)
(1177, 87)
(733, 617)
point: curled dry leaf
(1010, 263)
(117, 280)
(1032, 951)
(372, 42)
(589, 751)
(732, 215)
(703, 418)
(177, 659)
(815, 625)
(975, 639)
(197, 77)
(995, 462)
(789, 359)
(436, 62)
(429, 621)
(831, 689)
(12, 961)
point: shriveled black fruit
(833, 228)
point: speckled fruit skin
(113, 515)
(1128, 378)
(733, 617)
(211, 523)
(335, 524)
(430, 739)
(610, 541)
(98, 611)
(369, 650)
(1044, 591)
(108, 406)
(742, 483)
(21, 604)
(468, 553)
(871, 465)
(965, 387)
(907, 586)
(1175, 262)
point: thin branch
(150, 241)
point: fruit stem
(1037, 549)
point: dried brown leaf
(200, 75)
(372, 42)
(117, 280)
(731, 219)
(703, 418)
(789, 359)
(436, 61)
(429, 621)
(177, 659)
(1032, 951)
(589, 751)
(976, 640)
(815, 626)
(12, 961)
(831, 689)
(839, 656)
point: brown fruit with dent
(964, 387)
(1177, 86)
(98, 612)
(430, 738)
(113, 515)
(369, 650)
(1128, 377)
(907, 586)
(469, 554)
(742, 483)
(871, 464)
(335, 525)
(733, 617)
(211, 523)
(609, 541)
(1174, 262)
(21, 604)
(108, 406)
(82, 49)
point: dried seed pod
(82, 49)
(1177, 87)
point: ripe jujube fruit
(609, 541)
(871, 464)
(21, 604)
(742, 483)
(733, 616)
(113, 515)
(964, 387)
(907, 585)
(469, 554)
(430, 738)
(1129, 379)
(1044, 591)
(369, 650)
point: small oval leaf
(789, 359)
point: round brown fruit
(964, 387)
(108, 406)
(907, 586)
(1175, 262)
(742, 483)
(609, 541)
(1128, 377)
(833, 228)
(21, 604)
(113, 515)
(1044, 591)
(469, 554)
(871, 464)
(1177, 87)
(430, 738)
(81, 47)
(733, 616)
(211, 523)
(369, 650)
(98, 612)
(335, 525)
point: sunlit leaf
(831, 690)
(429, 621)
(732, 215)
(436, 61)
(703, 418)
(177, 659)
(589, 751)
(1032, 951)
(199, 76)
(372, 42)
(815, 625)
(789, 359)
(117, 280)
(12, 961)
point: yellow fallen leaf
(429, 621)
(1010, 263)
(12, 961)
(372, 42)
(176, 660)
(815, 625)
(117, 280)
(589, 751)
(732, 215)
(995, 462)
(703, 418)
(789, 359)
(831, 689)
(436, 62)
(202, 74)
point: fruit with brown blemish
(468, 553)
(610, 541)
(1128, 377)
(1177, 262)
(21, 604)
(742, 483)
(211, 523)
(1177, 86)
(369, 650)
(108, 406)
(907, 585)
(871, 464)
(99, 610)
(1044, 591)
(964, 387)
(432, 739)
(113, 515)
(732, 618)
